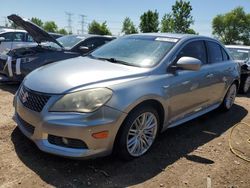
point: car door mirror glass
(189, 63)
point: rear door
(220, 66)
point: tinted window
(94, 43)
(214, 51)
(18, 37)
(224, 55)
(7, 36)
(195, 49)
(29, 38)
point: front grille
(67, 142)
(28, 127)
(33, 100)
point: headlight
(82, 101)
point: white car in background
(13, 38)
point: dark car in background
(241, 54)
(17, 63)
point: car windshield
(240, 54)
(67, 41)
(140, 51)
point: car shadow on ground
(11, 88)
(110, 171)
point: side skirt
(193, 116)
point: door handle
(211, 75)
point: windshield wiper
(112, 60)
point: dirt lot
(191, 155)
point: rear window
(224, 55)
(214, 52)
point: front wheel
(138, 133)
(229, 98)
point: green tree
(50, 26)
(232, 27)
(179, 20)
(37, 21)
(99, 29)
(128, 26)
(167, 23)
(149, 22)
(62, 31)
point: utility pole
(5, 21)
(82, 22)
(69, 21)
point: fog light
(101, 135)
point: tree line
(230, 28)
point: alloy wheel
(142, 134)
(231, 96)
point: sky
(114, 11)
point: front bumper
(38, 126)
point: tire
(245, 85)
(229, 99)
(131, 134)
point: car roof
(6, 30)
(175, 35)
(238, 46)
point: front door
(189, 90)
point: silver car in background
(241, 55)
(125, 93)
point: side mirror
(84, 49)
(189, 63)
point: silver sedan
(124, 94)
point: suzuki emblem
(25, 96)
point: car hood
(78, 73)
(37, 33)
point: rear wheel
(138, 133)
(229, 98)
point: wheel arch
(147, 102)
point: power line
(69, 21)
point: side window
(225, 56)
(29, 38)
(214, 52)
(18, 37)
(93, 43)
(195, 49)
(7, 36)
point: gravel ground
(195, 154)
